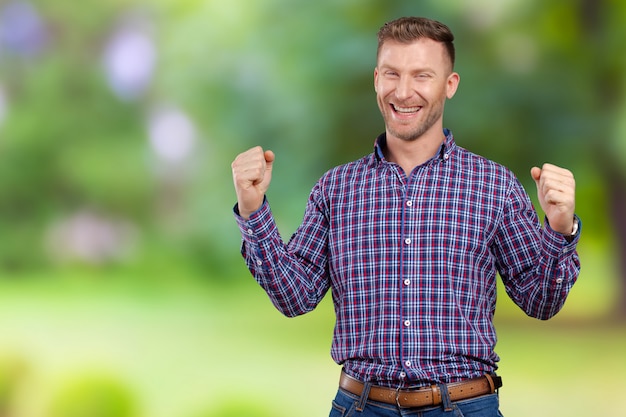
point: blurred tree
(603, 25)
(84, 131)
(67, 141)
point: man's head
(409, 29)
(414, 76)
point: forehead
(423, 52)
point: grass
(194, 350)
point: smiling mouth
(405, 110)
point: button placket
(406, 324)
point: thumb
(535, 172)
(269, 161)
(269, 158)
(266, 178)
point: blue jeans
(345, 405)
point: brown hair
(409, 29)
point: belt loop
(364, 396)
(398, 397)
(445, 397)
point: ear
(376, 79)
(452, 84)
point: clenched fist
(252, 174)
(556, 190)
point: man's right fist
(252, 174)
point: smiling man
(410, 240)
(412, 81)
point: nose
(404, 88)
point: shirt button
(407, 282)
(407, 241)
(402, 374)
(250, 232)
(446, 156)
(559, 280)
(407, 364)
(259, 262)
(407, 323)
(409, 203)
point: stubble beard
(435, 113)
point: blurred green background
(122, 292)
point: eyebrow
(412, 71)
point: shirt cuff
(259, 226)
(559, 244)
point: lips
(405, 110)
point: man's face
(412, 82)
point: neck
(410, 154)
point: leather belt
(426, 396)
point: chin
(408, 136)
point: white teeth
(406, 109)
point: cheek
(433, 93)
(382, 90)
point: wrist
(245, 211)
(574, 227)
(567, 230)
(569, 237)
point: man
(410, 239)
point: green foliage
(539, 82)
(67, 142)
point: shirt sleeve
(294, 275)
(538, 265)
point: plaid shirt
(412, 263)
